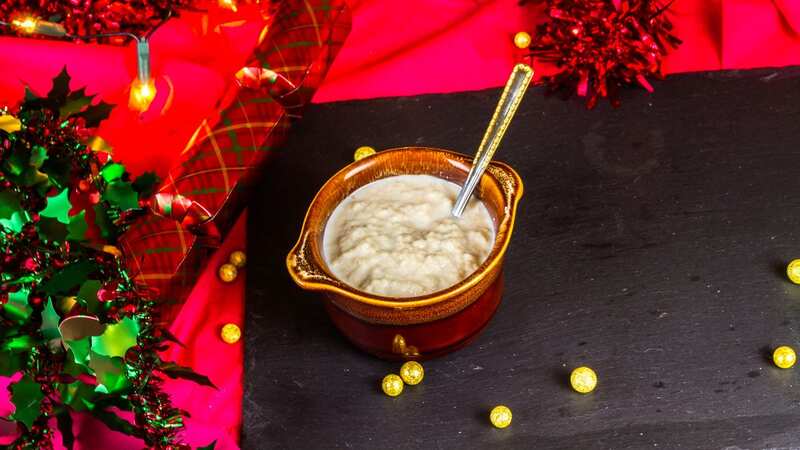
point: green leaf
(108, 230)
(110, 373)
(79, 348)
(58, 168)
(30, 95)
(95, 114)
(16, 222)
(58, 207)
(17, 307)
(51, 230)
(112, 172)
(10, 363)
(9, 204)
(50, 321)
(146, 184)
(209, 446)
(26, 395)
(58, 93)
(70, 276)
(78, 395)
(77, 227)
(117, 338)
(19, 343)
(73, 368)
(116, 423)
(121, 195)
(64, 421)
(38, 156)
(75, 102)
(173, 370)
(87, 295)
(171, 337)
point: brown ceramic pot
(414, 327)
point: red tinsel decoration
(87, 17)
(600, 45)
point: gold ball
(228, 273)
(238, 259)
(392, 385)
(500, 416)
(784, 357)
(793, 270)
(522, 40)
(230, 333)
(363, 152)
(583, 380)
(412, 372)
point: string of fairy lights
(143, 88)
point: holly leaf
(116, 423)
(77, 227)
(67, 278)
(19, 344)
(58, 93)
(109, 372)
(209, 446)
(9, 204)
(58, 168)
(30, 96)
(95, 114)
(87, 295)
(173, 370)
(58, 207)
(74, 103)
(112, 172)
(78, 395)
(121, 194)
(117, 338)
(51, 230)
(50, 320)
(64, 421)
(26, 395)
(17, 307)
(108, 231)
(73, 368)
(171, 337)
(10, 363)
(38, 156)
(79, 348)
(146, 184)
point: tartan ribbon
(202, 195)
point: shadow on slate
(649, 246)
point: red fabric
(192, 65)
(430, 46)
(395, 48)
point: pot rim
(310, 275)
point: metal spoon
(509, 101)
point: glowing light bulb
(228, 4)
(142, 95)
(26, 24)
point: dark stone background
(650, 245)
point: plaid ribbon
(202, 195)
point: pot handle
(303, 266)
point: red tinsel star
(600, 45)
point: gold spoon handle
(509, 102)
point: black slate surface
(650, 245)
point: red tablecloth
(395, 48)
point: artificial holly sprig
(82, 333)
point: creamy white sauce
(396, 237)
